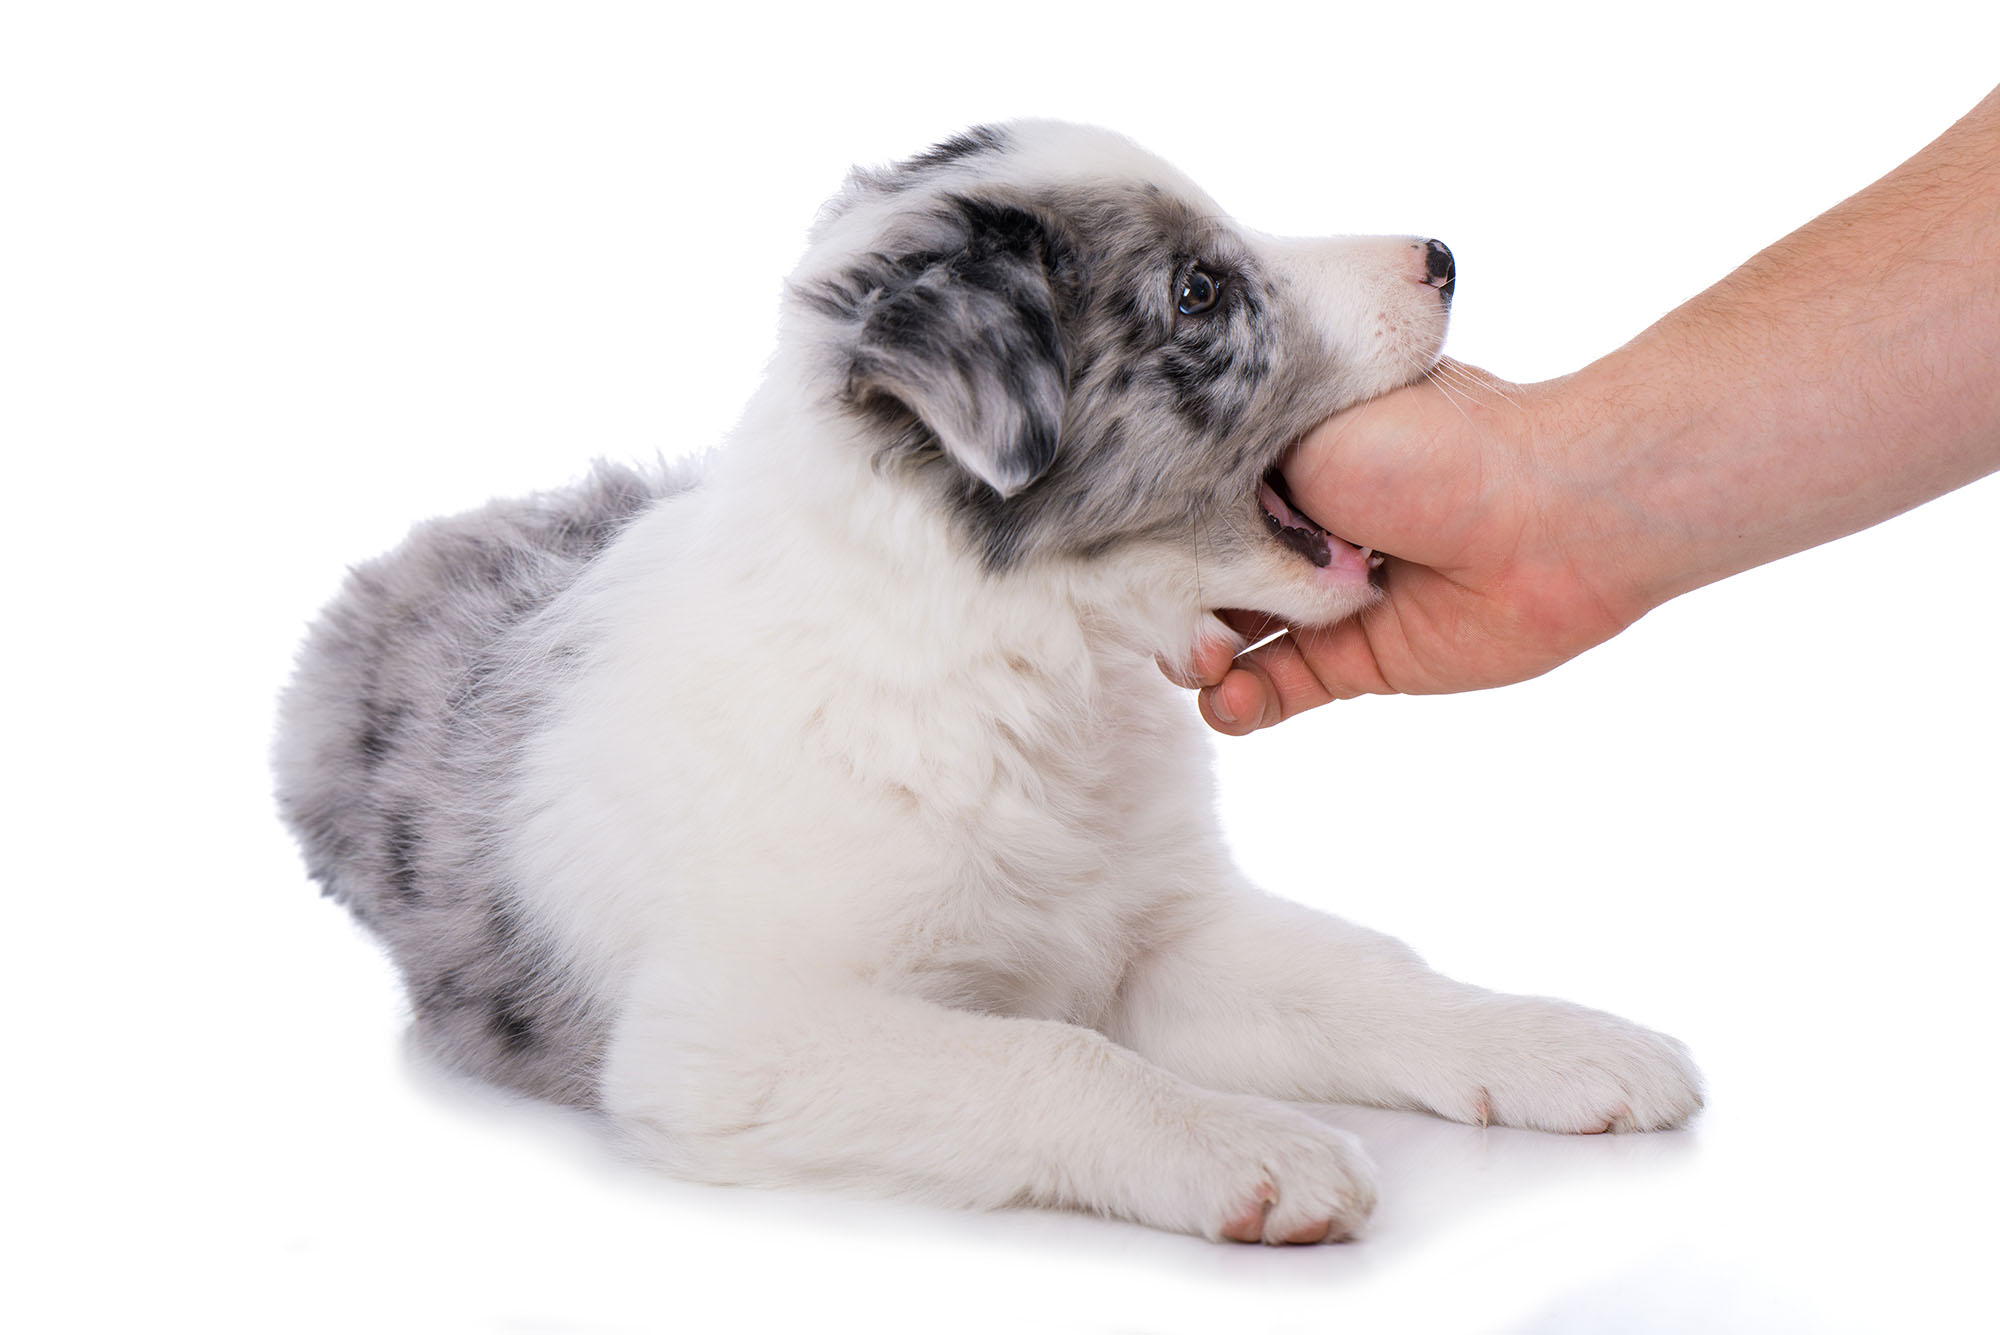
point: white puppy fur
(836, 808)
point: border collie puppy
(818, 814)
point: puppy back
(397, 745)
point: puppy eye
(1199, 292)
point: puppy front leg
(891, 1094)
(1256, 994)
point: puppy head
(1088, 365)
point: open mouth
(1290, 526)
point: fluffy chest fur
(943, 782)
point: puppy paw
(1552, 1066)
(1263, 1172)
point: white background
(279, 279)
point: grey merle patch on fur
(973, 142)
(426, 668)
(913, 172)
(1029, 337)
(959, 340)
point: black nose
(1437, 263)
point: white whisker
(1475, 381)
(1444, 388)
(1194, 520)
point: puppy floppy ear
(964, 336)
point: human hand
(1837, 378)
(1496, 571)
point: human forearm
(1843, 375)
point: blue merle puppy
(817, 813)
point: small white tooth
(1367, 552)
(1375, 561)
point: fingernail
(1215, 706)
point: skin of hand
(1493, 579)
(1839, 377)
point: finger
(1263, 687)
(1242, 702)
(1303, 670)
(1290, 678)
(1341, 660)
